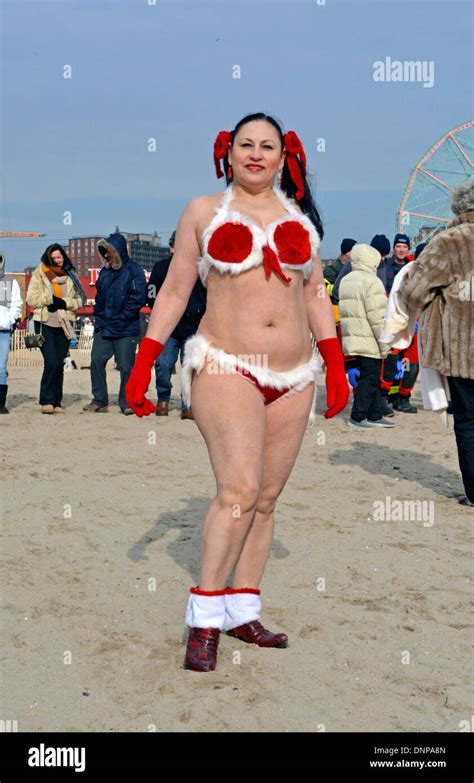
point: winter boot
(243, 606)
(386, 408)
(404, 406)
(3, 398)
(205, 617)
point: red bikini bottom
(269, 395)
(199, 348)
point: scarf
(57, 271)
(51, 272)
(66, 324)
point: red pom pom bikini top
(234, 243)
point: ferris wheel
(425, 207)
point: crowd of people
(359, 282)
(387, 306)
(123, 301)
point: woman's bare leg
(287, 420)
(230, 413)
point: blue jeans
(103, 348)
(4, 351)
(164, 365)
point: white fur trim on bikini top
(261, 237)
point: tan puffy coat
(362, 304)
(441, 281)
(40, 295)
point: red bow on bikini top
(232, 243)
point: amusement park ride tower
(425, 208)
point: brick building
(145, 249)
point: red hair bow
(293, 148)
(221, 145)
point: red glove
(140, 377)
(337, 389)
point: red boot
(205, 617)
(255, 633)
(243, 607)
(201, 652)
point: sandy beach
(101, 525)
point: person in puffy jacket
(362, 303)
(382, 244)
(10, 310)
(120, 295)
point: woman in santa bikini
(250, 368)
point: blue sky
(165, 71)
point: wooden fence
(32, 357)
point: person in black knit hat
(392, 265)
(332, 271)
(380, 243)
(393, 367)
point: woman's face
(57, 258)
(256, 153)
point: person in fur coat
(441, 283)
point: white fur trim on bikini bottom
(197, 348)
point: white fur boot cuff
(241, 608)
(205, 611)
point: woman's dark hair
(47, 261)
(287, 185)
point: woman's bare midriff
(250, 314)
